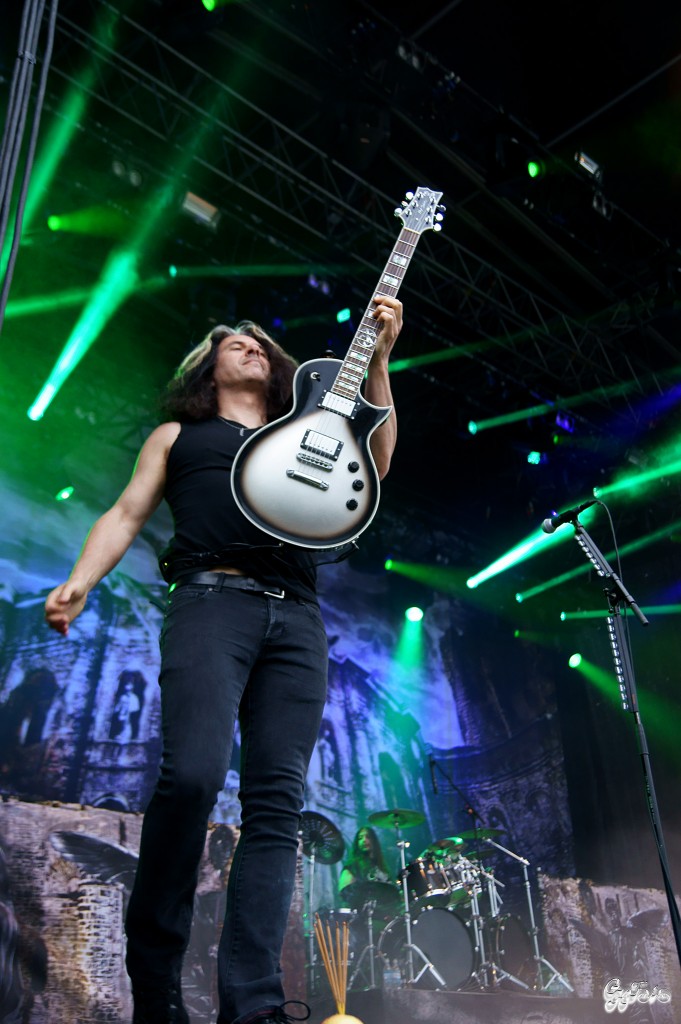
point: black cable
(30, 154)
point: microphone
(433, 780)
(551, 524)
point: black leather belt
(220, 580)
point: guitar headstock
(420, 210)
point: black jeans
(228, 652)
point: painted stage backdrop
(437, 722)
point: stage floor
(412, 1006)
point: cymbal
(386, 895)
(481, 833)
(321, 838)
(449, 847)
(396, 818)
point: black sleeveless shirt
(209, 527)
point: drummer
(367, 864)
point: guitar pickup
(295, 474)
(321, 444)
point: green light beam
(660, 715)
(117, 282)
(531, 546)
(441, 356)
(604, 682)
(410, 651)
(627, 549)
(444, 579)
(100, 221)
(119, 277)
(513, 417)
(58, 138)
(39, 304)
(638, 480)
(602, 613)
(262, 270)
(613, 391)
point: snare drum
(427, 881)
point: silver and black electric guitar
(309, 478)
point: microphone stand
(469, 809)
(617, 595)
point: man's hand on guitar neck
(388, 312)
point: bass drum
(508, 944)
(442, 936)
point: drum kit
(440, 924)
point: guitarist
(242, 636)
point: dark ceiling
(305, 124)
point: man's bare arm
(114, 532)
(377, 387)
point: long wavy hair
(190, 395)
(375, 855)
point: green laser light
(575, 660)
(64, 494)
(342, 315)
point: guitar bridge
(314, 460)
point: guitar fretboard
(356, 362)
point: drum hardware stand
(369, 949)
(540, 961)
(320, 836)
(411, 948)
(311, 955)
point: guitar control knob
(357, 485)
(353, 466)
(315, 375)
(351, 504)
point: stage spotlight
(343, 315)
(201, 210)
(589, 166)
(575, 660)
(537, 458)
(536, 168)
(388, 564)
(64, 494)
(413, 614)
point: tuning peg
(409, 195)
(437, 227)
(438, 216)
(442, 207)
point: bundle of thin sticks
(336, 963)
